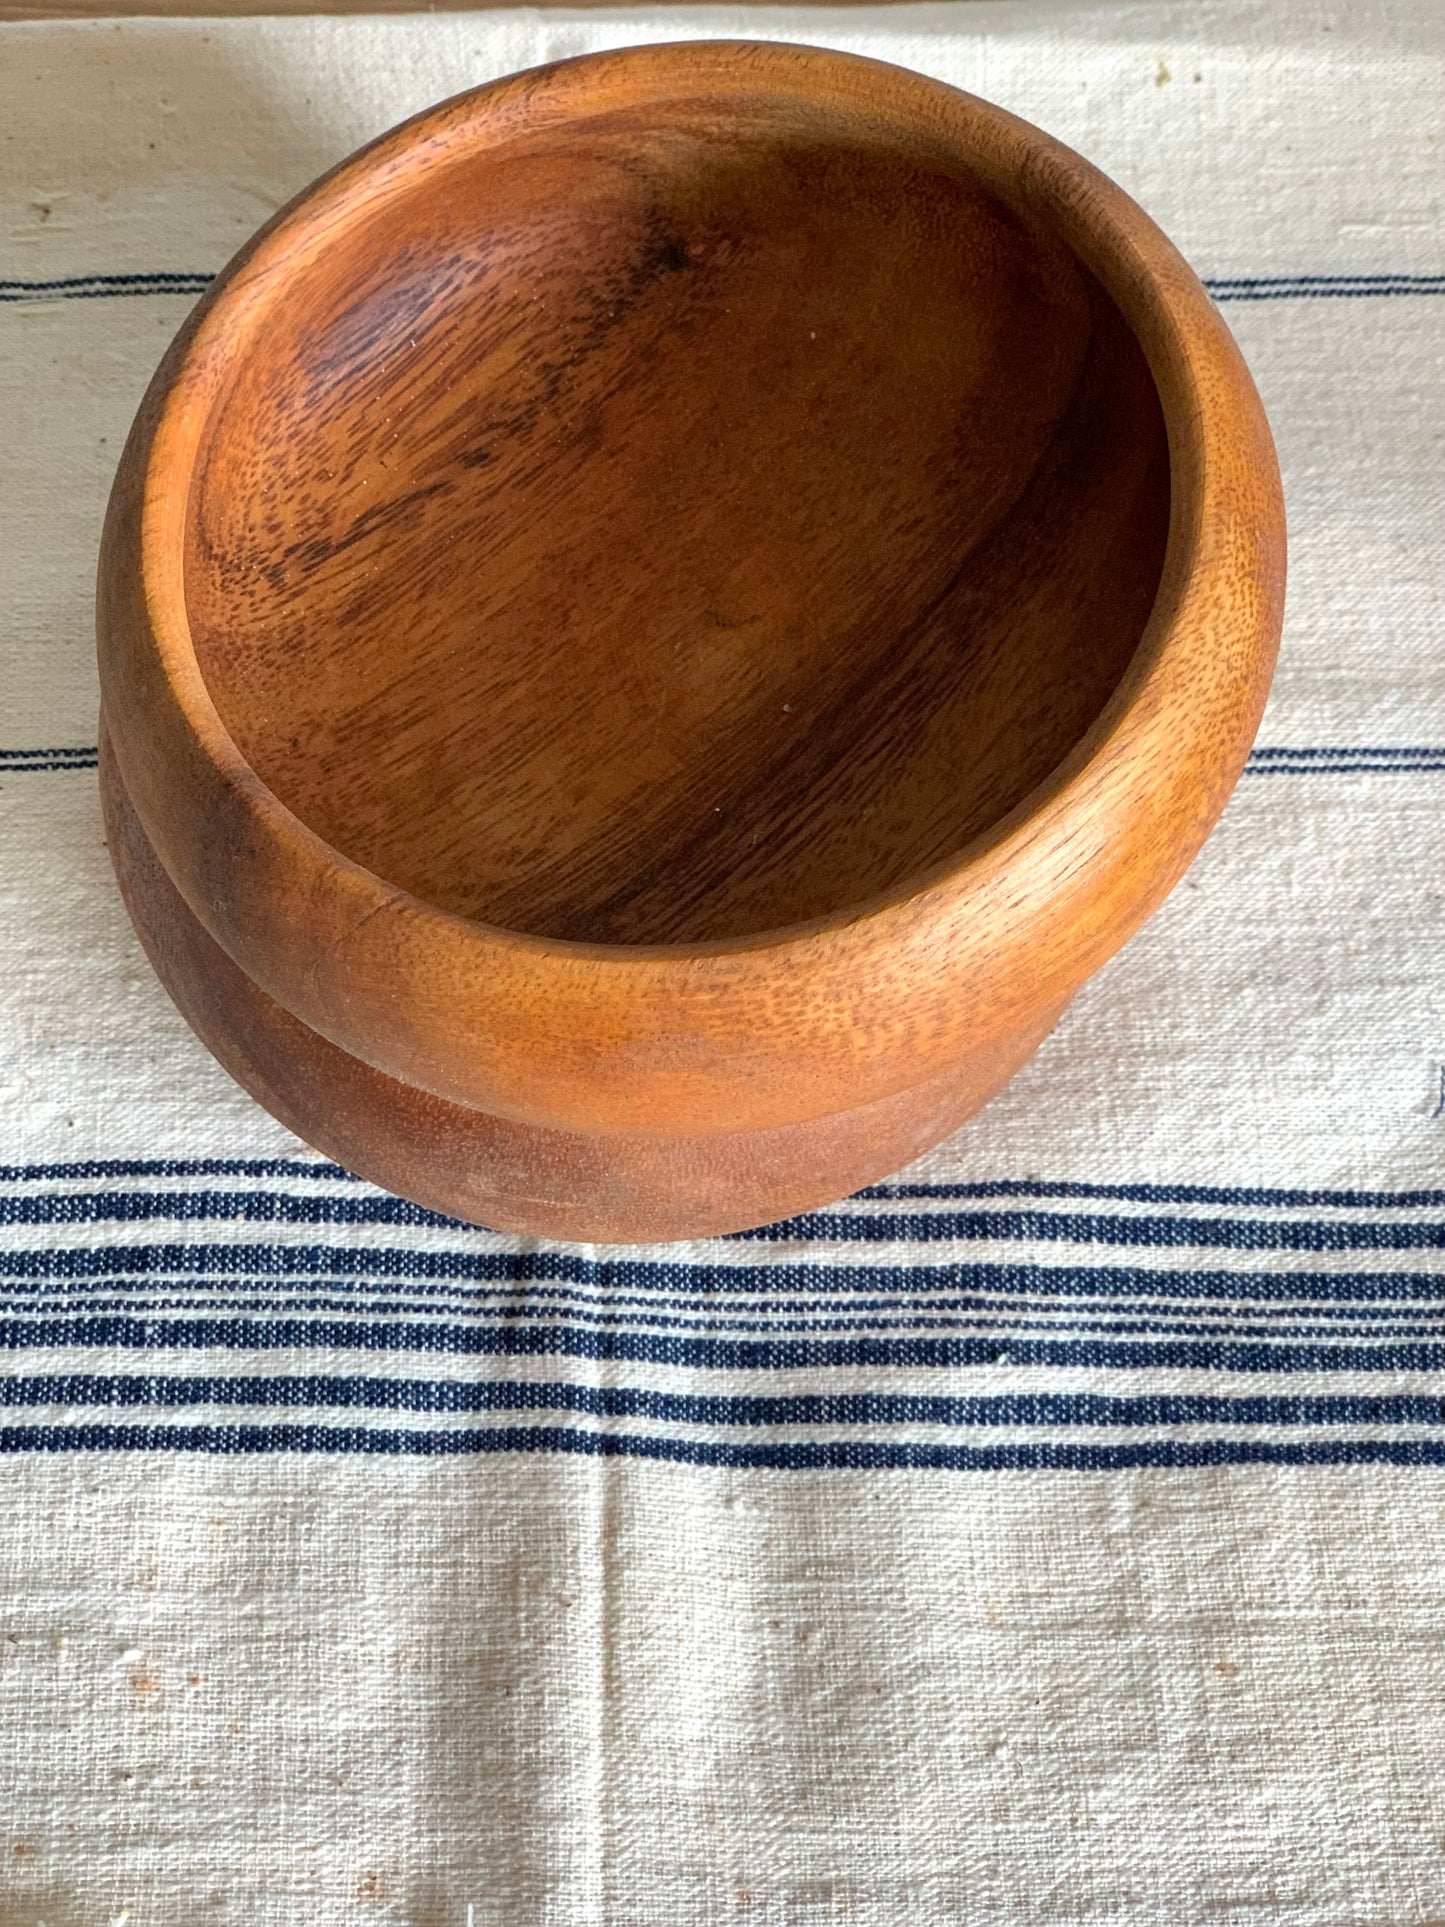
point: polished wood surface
(712, 523)
(681, 596)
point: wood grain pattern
(683, 595)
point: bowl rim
(1176, 717)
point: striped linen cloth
(1052, 1533)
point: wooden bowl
(657, 623)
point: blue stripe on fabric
(1285, 287)
(934, 1289)
(1327, 760)
(737, 1308)
(299, 1167)
(252, 1207)
(1061, 1227)
(1344, 769)
(24, 763)
(29, 755)
(1398, 1312)
(690, 1408)
(513, 1338)
(1110, 1321)
(833, 1227)
(1334, 759)
(1244, 1195)
(858, 1455)
(1222, 287)
(256, 1264)
(1316, 753)
(84, 287)
(183, 1168)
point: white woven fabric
(1053, 1535)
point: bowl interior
(675, 524)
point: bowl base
(613, 1188)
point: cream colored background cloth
(1052, 1536)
